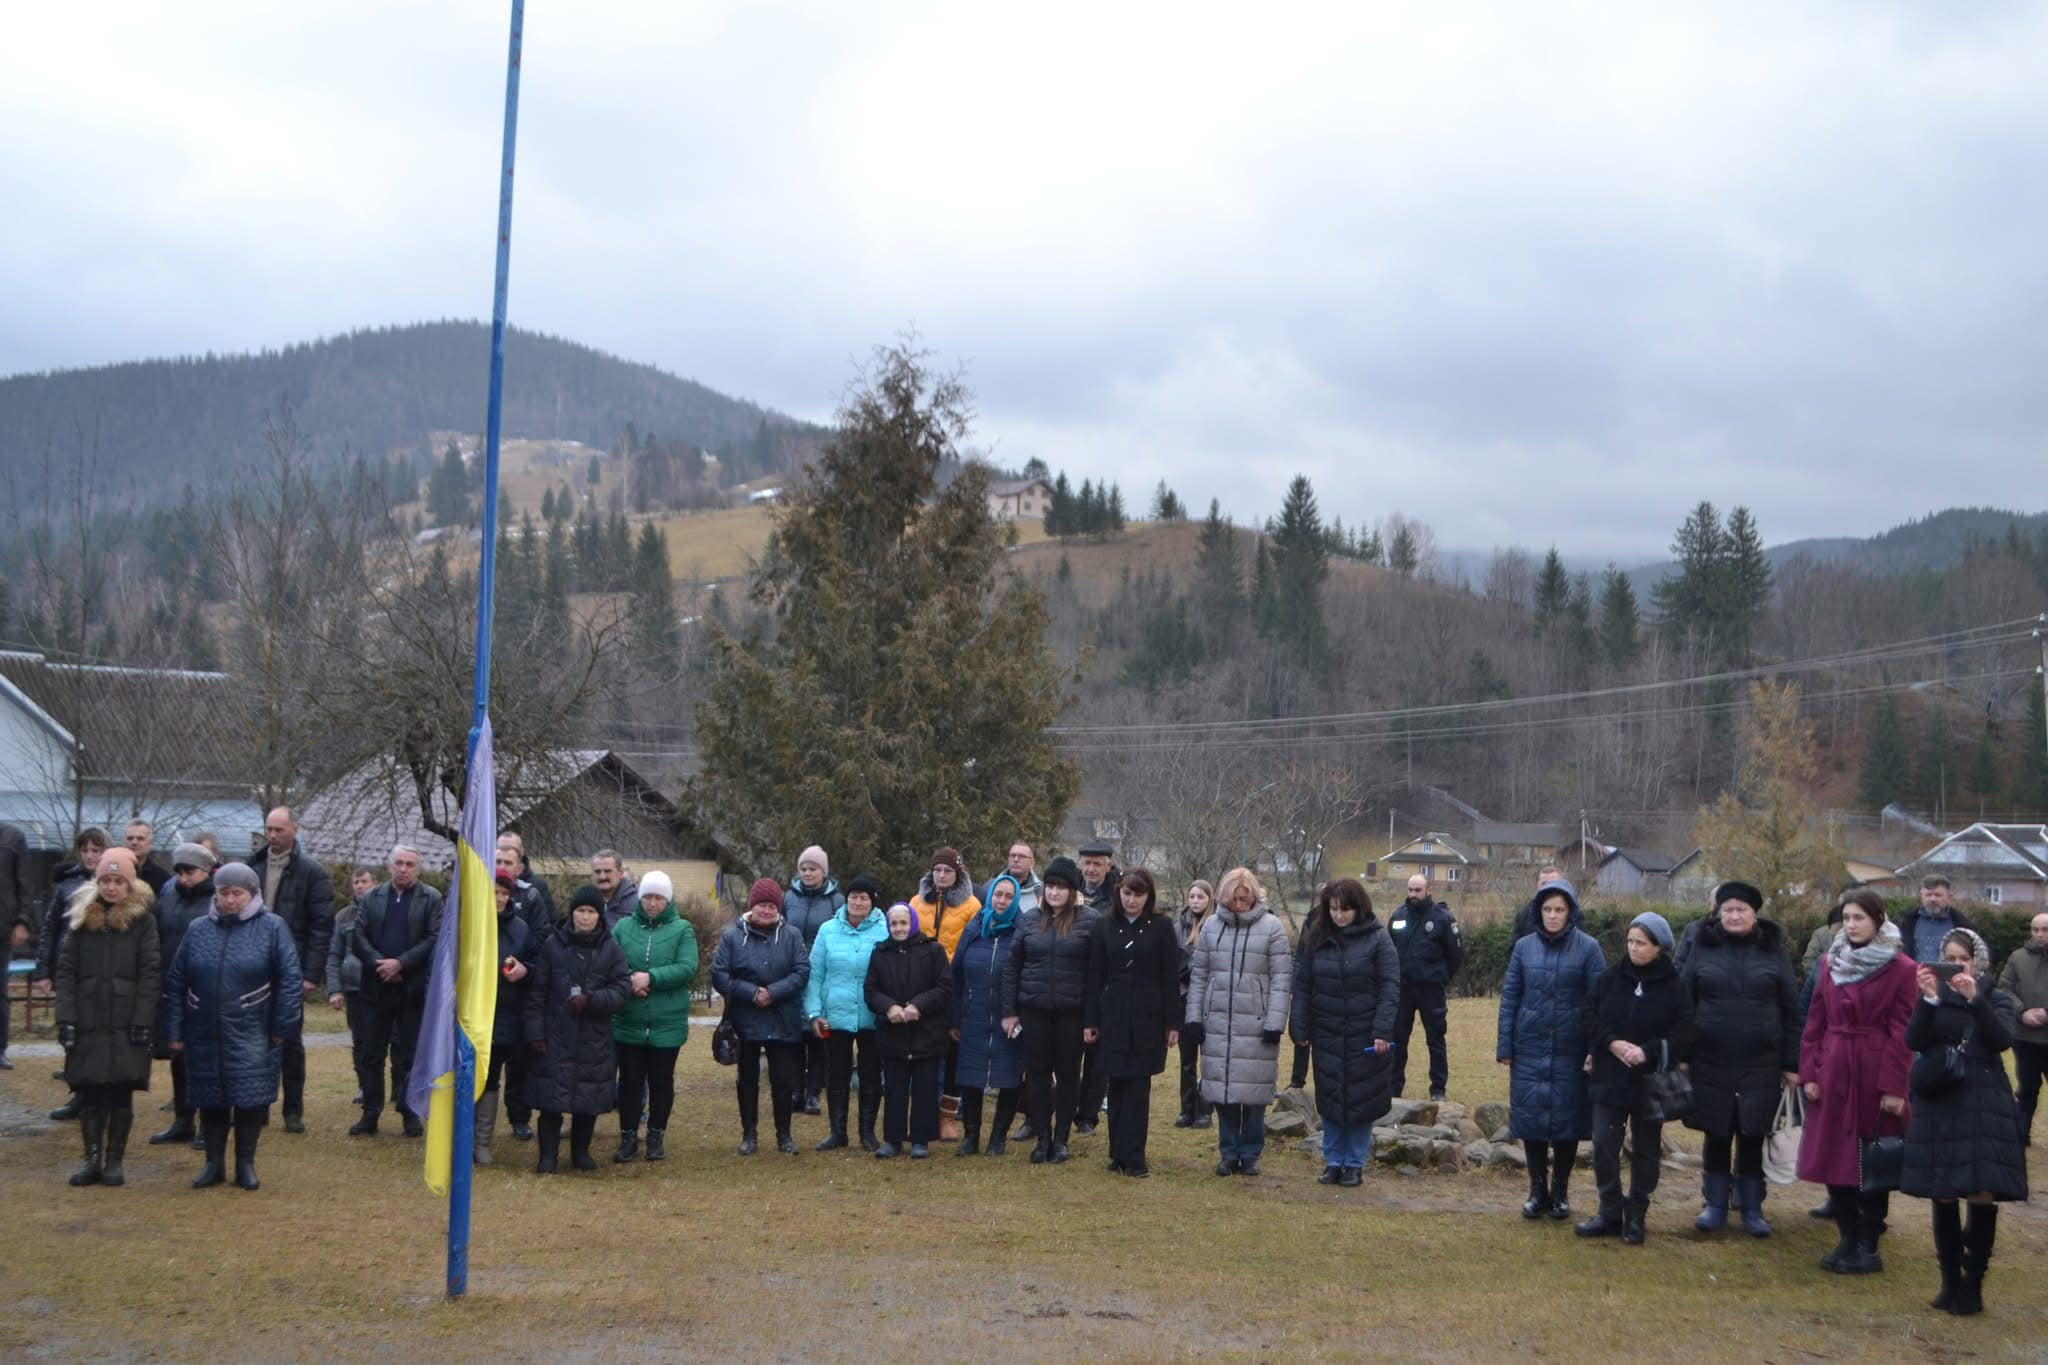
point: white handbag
(1781, 1148)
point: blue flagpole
(465, 1054)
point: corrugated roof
(155, 725)
(1988, 850)
(1533, 833)
(1644, 859)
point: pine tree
(1553, 590)
(1301, 565)
(448, 491)
(1402, 555)
(1690, 600)
(595, 475)
(547, 504)
(1582, 641)
(1619, 640)
(1934, 772)
(1982, 779)
(1219, 577)
(1746, 579)
(618, 554)
(1166, 505)
(908, 662)
(2030, 782)
(1059, 509)
(655, 632)
(1113, 511)
(1886, 773)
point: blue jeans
(1347, 1146)
(1241, 1131)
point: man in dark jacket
(538, 915)
(17, 909)
(527, 900)
(394, 940)
(1921, 930)
(1100, 877)
(1431, 948)
(2026, 976)
(140, 838)
(297, 890)
(621, 893)
(538, 885)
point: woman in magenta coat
(1853, 1061)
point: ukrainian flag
(462, 987)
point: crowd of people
(1061, 995)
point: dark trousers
(516, 1108)
(1749, 1154)
(391, 1026)
(1240, 1131)
(1304, 1058)
(971, 1100)
(1191, 1102)
(2031, 1060)
(1550, 1166)
(784, 1061)
(179, 1103)
(910, 1099)
(1094, 1083)
(1052, 1086)
(501, 1063)
(843, 1058)
(1130, 1116)
(295, 1074)
(1645, 1158)
(814, 1069)
(1428, 1001)
(651, 1068)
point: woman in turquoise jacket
(661, 957)
(836, 1009)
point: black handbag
(1667, 1093)
(1939, 1070)
(1880, 1161)
(725, 1040)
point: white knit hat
(657, 884)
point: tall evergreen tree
(1553, 590)
(1982, 778)
(448, 491)
(1619, 638)
(1301, 565)
(1219, 578)
(656, 633)
(908, 664)
(1935, 771)
(1690, 600)
(1746, 579)
(1166, 504)
(1886, 774)
(1402, 553)
(2030, 781)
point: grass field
(842, 1257)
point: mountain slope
(167, 422)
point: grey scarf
(1848, 964)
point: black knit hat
(587, 895)
(1739, 891)
(864, 882)
(1064, 871)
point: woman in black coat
(1045, 981)
(1347, 994)
(577, 983)
(1638, 1023)
(910, 989)
(1745, 1049)
(183, 901)
(1963, 1142)
(109, 975)
(1131, 1009)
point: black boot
(582, 1128)
(657, 1145)
(970, 1140)
(1980, 1235)
(835, 1115)
(92, 1126)
(835, 1139)
(870, 1106)
(629, 1146)
(1635, 1216)
(248, 1128)
(1847, 1257)
(1948, 1252)
(1824, 1210)
(214, 1133)
(1538, 1202)
(999, 1134)
(749, 1144)
(119, 1123)
(1560, 1186)
(68, 1110)
(550, 1144)
(1331, 1175)
(1041, 1150)
(784, 1143)
(181, 1130)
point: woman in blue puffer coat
(236, 988)
(1543, 1038)
(836, 1009)
(990, 1059)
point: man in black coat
(17, 909)
(533, 889)
(394, 940)
(140, 837)
(529, 903)
(297, 890)
(1431, 948)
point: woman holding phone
(1963, 1144)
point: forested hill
(168, 422)
(1938, 540)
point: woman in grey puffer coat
(1240, 988)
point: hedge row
(1487, 946)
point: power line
(1978, 637)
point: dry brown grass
(842, 1257)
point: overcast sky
(1531, 273)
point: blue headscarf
(993, 923)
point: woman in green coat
(661, 953)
